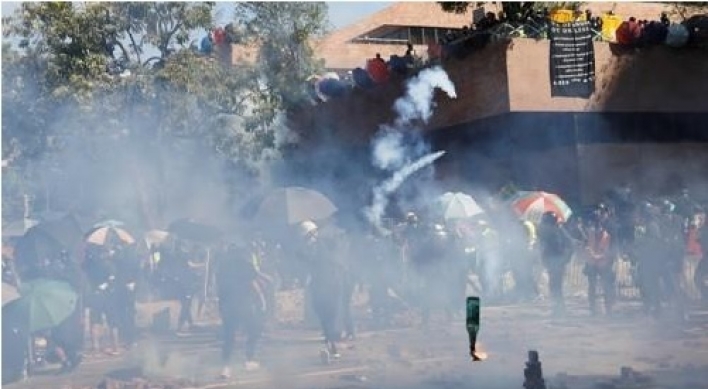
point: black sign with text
(572, 60)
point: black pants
(240, 315)
(556, 273)
(185, 310)
(525, 284)
(69, 336)
(326, 303)
(126, 311)
(606, 277)
(346, 305)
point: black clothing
(239, 303)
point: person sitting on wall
(665, 19)
(654, 33)
(434, 51)
(409, 58)
(629, 32)
(378, 69)
(399, 65)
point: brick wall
(633, 81)
(503, 79)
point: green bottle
(473, 322)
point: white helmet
(307, 227)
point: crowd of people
(420, 263)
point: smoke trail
(395, 148)
(376, 211)
(418, 101)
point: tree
(89, 99)
(282, 32)
(685, 9)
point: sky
(341, 13)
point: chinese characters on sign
(572, 61)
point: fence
(576, 283)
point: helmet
(307, 227)
(411, 217)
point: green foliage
(81, 82)
(162, 25)
(282, 32)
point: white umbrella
(156, 237)
(459, 206)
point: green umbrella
(44, 304)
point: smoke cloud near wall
(400, 149)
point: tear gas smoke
(418, 101)
(376, 211)
(398, 148)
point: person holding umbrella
(326, 285)
(101, 276)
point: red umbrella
(532, 205)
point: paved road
(589, 350)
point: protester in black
(242, 304)
(556, 251)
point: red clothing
(378, 70)
(598, 248)
(628, 33)
(219, 36)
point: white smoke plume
(418, 101)
(398, 148)
(375, 213)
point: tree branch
(147, 61)
(136, 48)
(166, 41)
(122, 48)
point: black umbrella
(48, 239)
(190, 229)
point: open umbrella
(9, 293)
(109, 223)
(533, 205)
(101, 235)
(44, 304)
(193, 230)
(294, 205)
(153, 237)
(458, 206)
(47, 239)
(17, 228)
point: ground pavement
(577, 352)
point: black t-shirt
(235, 275)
